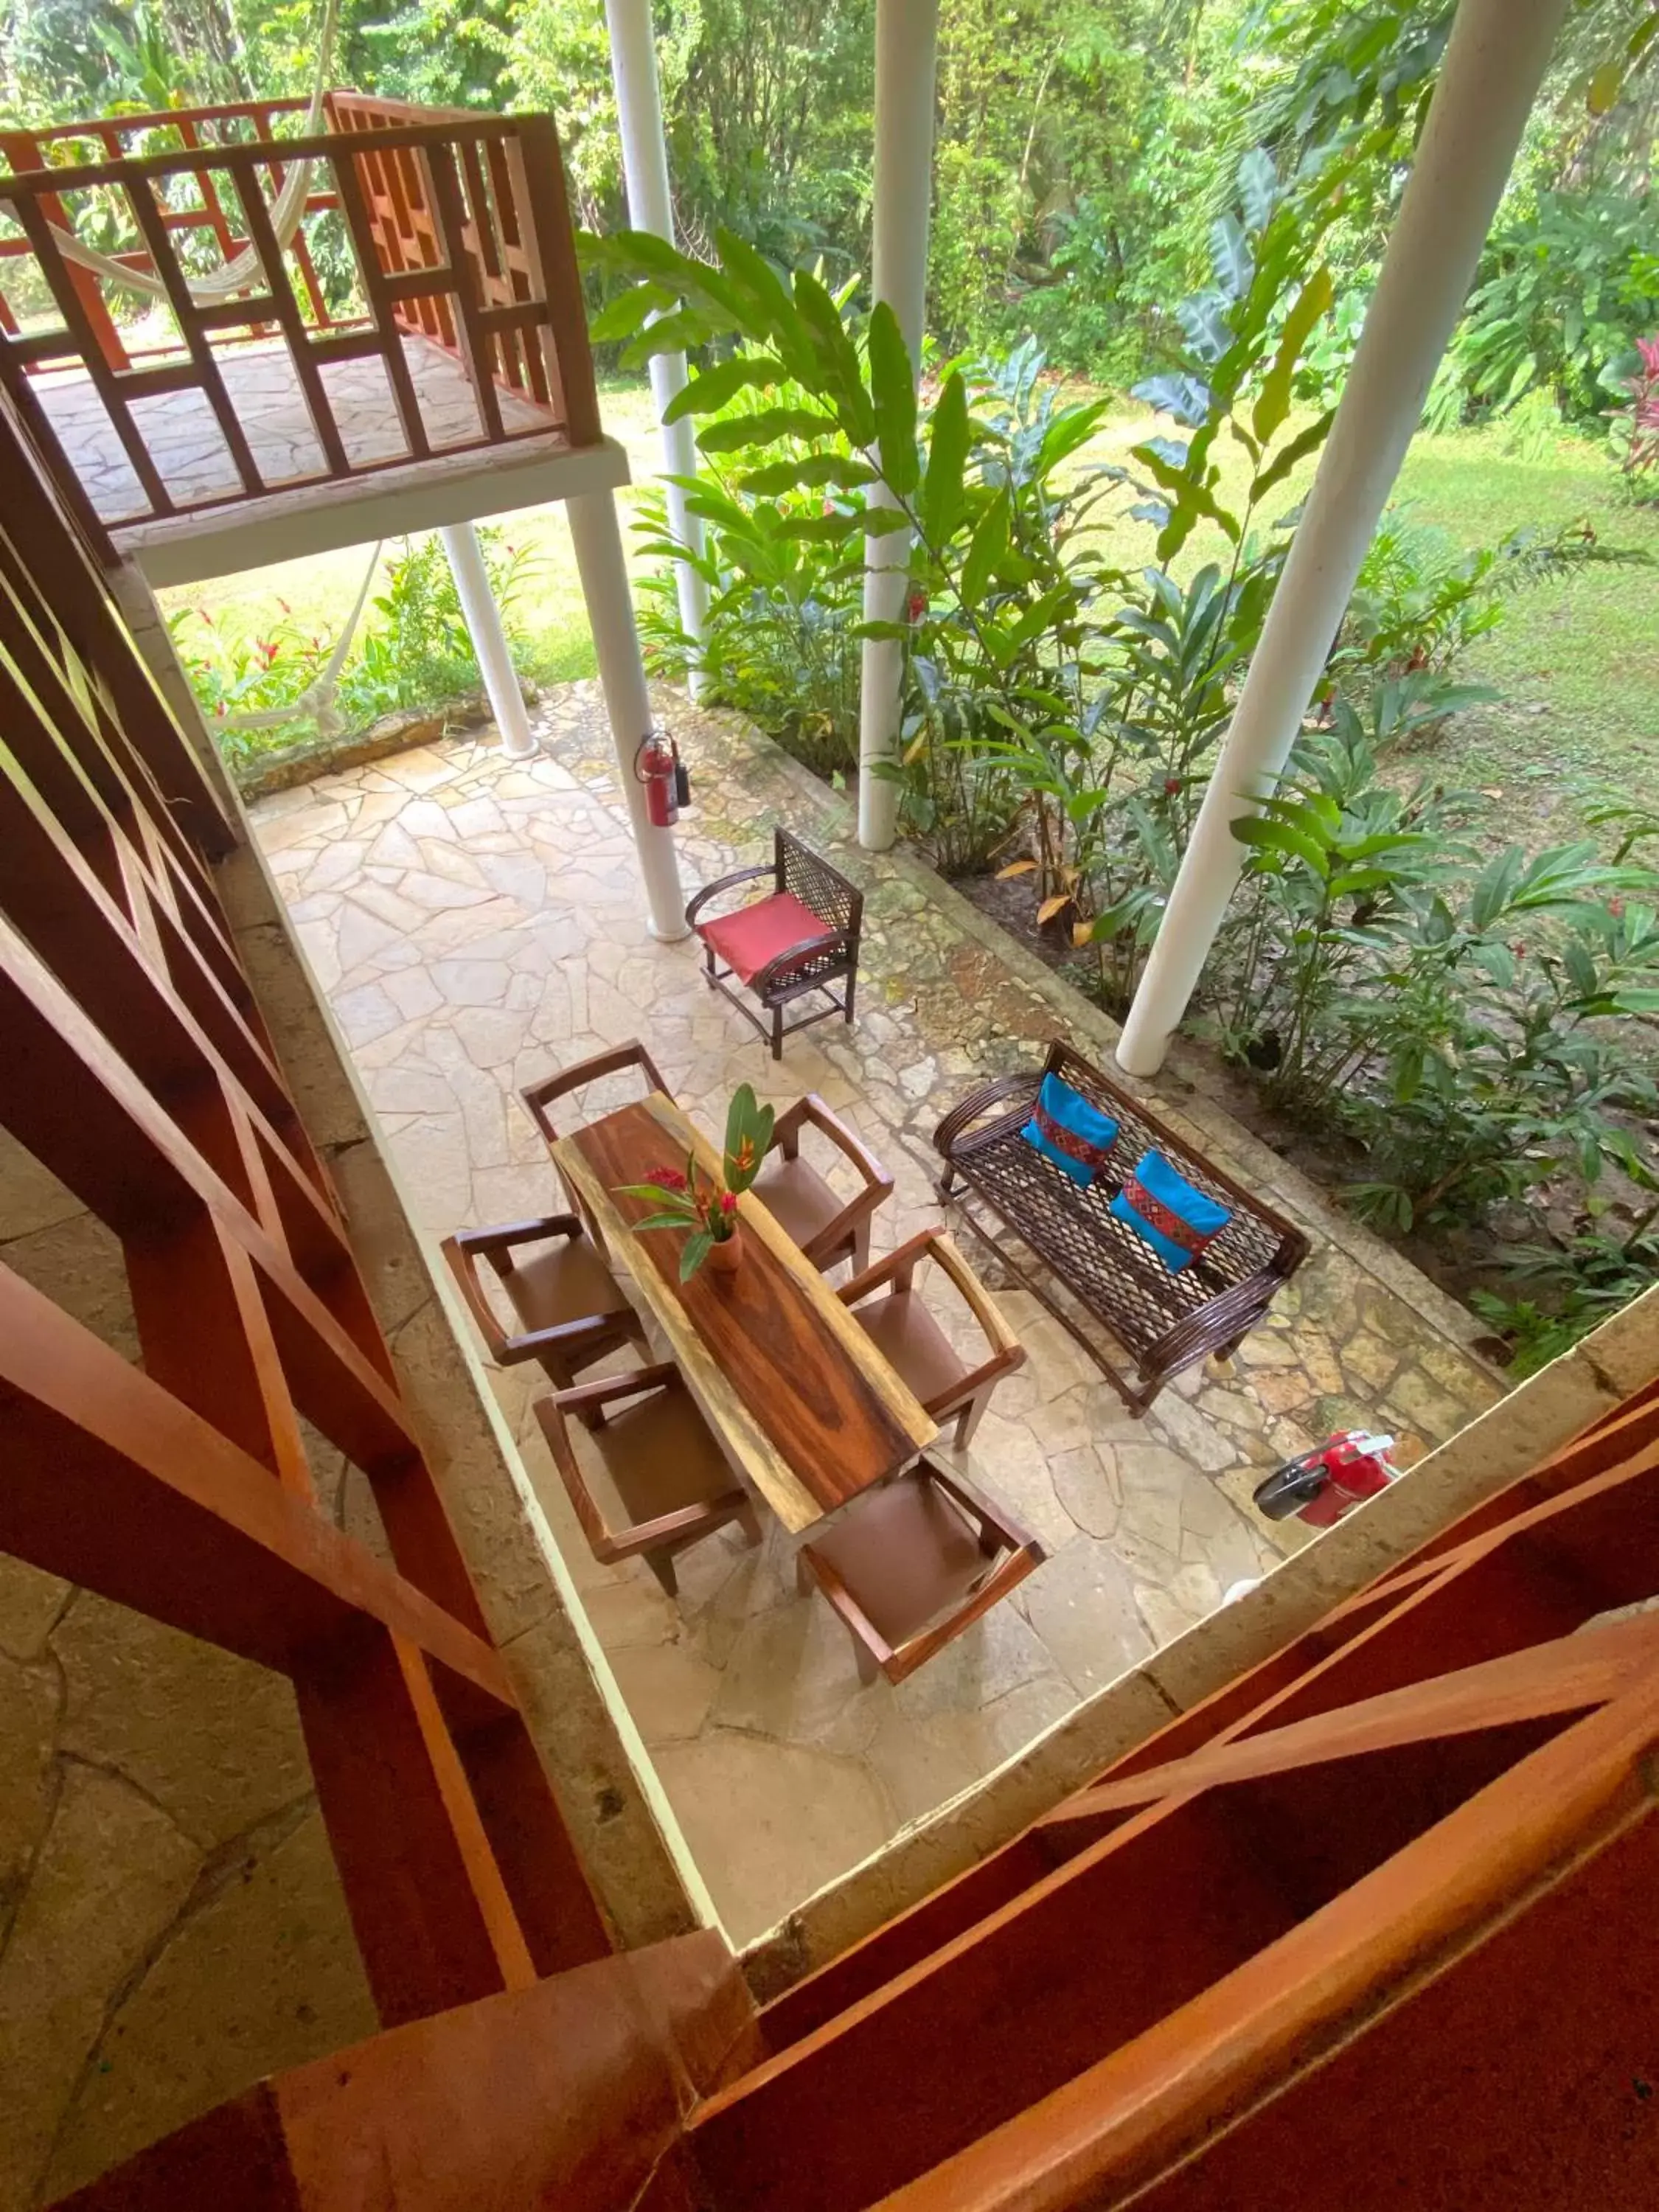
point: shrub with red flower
(1640, 420)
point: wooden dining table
(804, 1404)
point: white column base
(483, 624)
(597, 537)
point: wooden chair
(671, 1483)
(802, 936)
(908, 1566)
(566, 1081)
(537, 1097)
(571, 1308)
(911, 1340)
(828, 1229)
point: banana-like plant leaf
(947, 459)
(892, 381)
(712, 388)
(989, 543)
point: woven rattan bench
(1164, 1320)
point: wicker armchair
(1166, 1322)
(803, 937)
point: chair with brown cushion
(906, 1335)
(828, 1228)
(537, 1097)
(565, 1082)
(908, 1566)
(802, 936)
(669, 1483)
(570, 1309)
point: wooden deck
(188, 449)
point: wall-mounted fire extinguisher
(658, 765)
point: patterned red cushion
(746, 940)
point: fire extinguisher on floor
(1322, 1485)
(657, 766)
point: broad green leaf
(621, 317)
(1258, 187)
(1274, 402)
(990, 542)
(697, 1250)
(883, 521)
(764, 428)
(1282, 838)
(712, 388)
(947, 459)
(1305, 442)
(892, 379)
(1605, 86)
(1230, 256)
(842, 373)
(815, 471)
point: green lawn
(1578, 664)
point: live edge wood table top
(802, 1401)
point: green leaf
(621, 317)
(712, 388)
(1605, 86)
(660, 1221)
(814, 471)
(1282, 838)
(697, 1250)
(1274, 402)
(947, 459)
(1493, 889)
(882, 521)
(842, 374)
(892, 379)
(1306, 442)
(1230, 256)
(1258, 187)
(764, 428)
(990, 542)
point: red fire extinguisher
(658, 765)
(1320, 1486)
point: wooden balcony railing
(454, 234)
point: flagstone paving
(475, 922)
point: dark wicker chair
(803, 937)
(1166, 1322)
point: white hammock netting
(246, 270)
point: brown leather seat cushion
(907, 1554)
(660, 1457)
(906, 1335)
(796, 1196)
(564, 1279)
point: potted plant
(708, 1207)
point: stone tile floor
(188, 448)
(474, 921)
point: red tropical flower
(670, 1178)
(1171, 785)
(916, 605)
(728, 1201)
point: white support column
(645, 170)
(598, 539)
(483, 625)
(1494, 66)
(907, 41)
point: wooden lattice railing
(458, 233)
(137, 1069)
(116, 137)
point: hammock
(316, 702)
(241, 273)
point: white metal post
(597, 537)
(1494, 66)
(907, 42)
(483, 626)
(650, 207)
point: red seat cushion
(746, 940)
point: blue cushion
(1161, 1205)
(1067, 1129)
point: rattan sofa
(1060, 1234)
